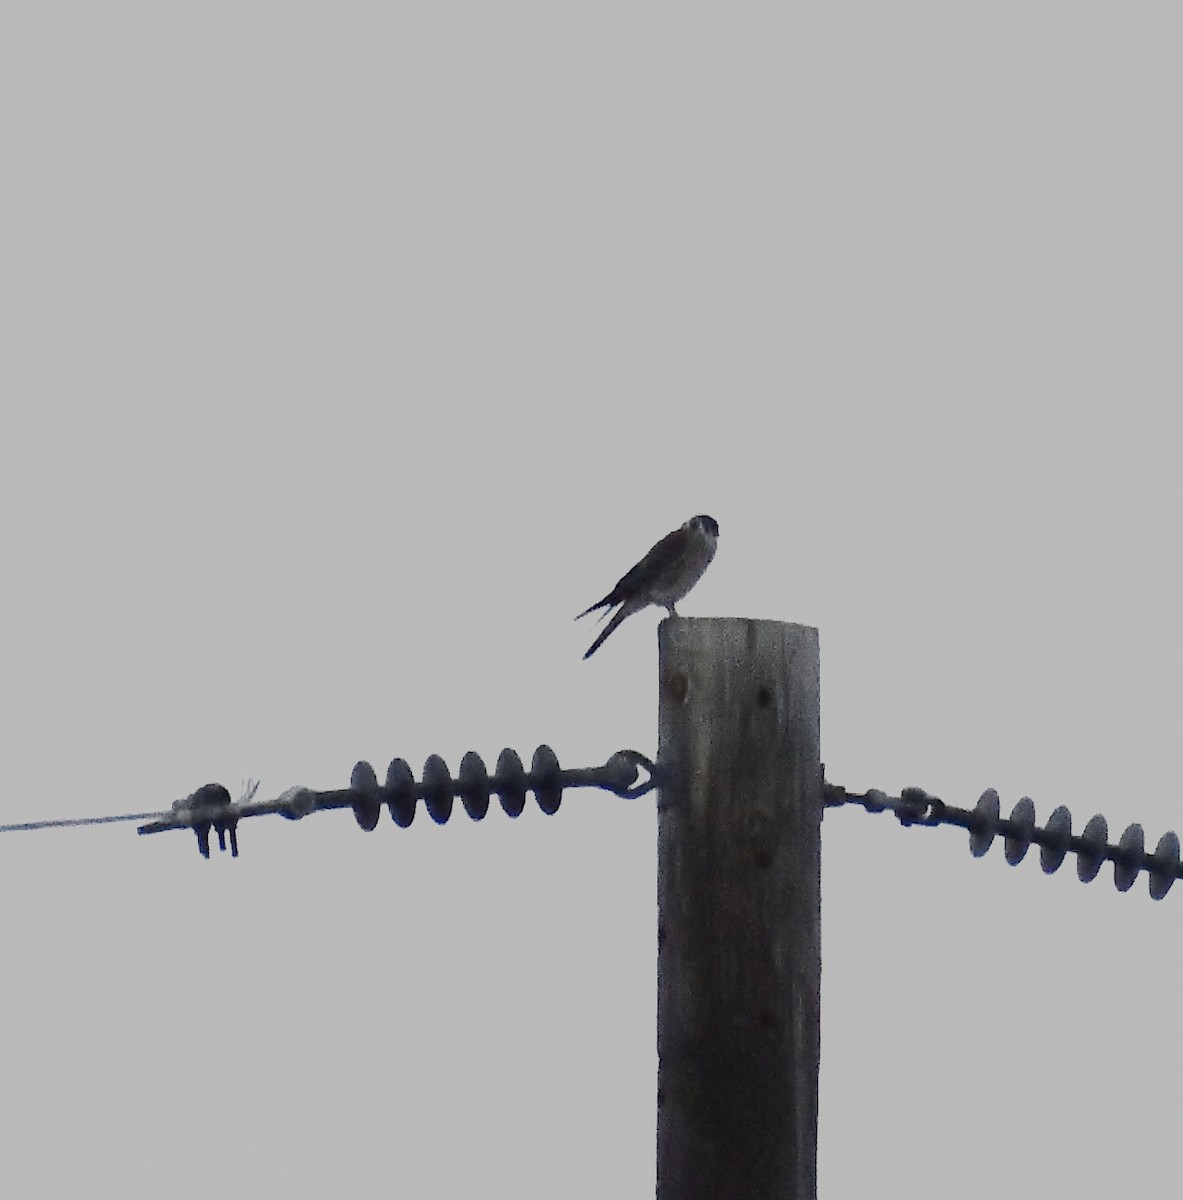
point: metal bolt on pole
(739, 910)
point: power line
(915, 807)
(210, 810)
(66, 822)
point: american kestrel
(663, 576)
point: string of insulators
(1055, 840)
(210, 809)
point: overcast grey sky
(348, 354)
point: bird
(670, 569)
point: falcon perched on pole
(663, 576)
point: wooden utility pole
(739, 911)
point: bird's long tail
(607, 602)
(625, 610)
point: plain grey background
(347, 353)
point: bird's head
(705, 525)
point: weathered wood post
(739, 910)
